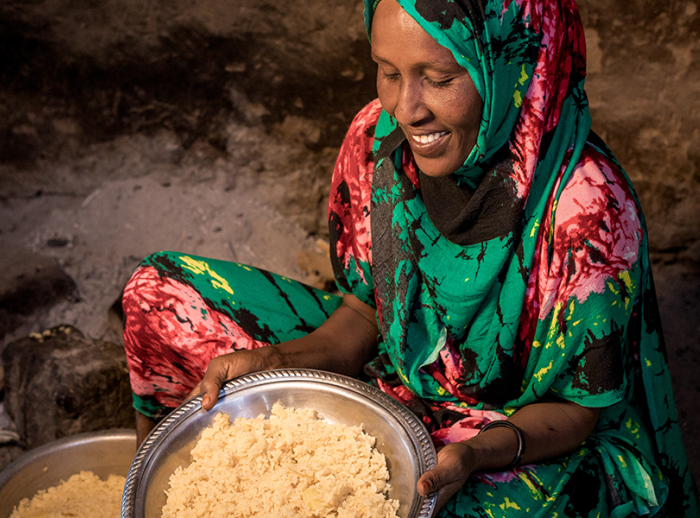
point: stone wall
(644, 90)
(80, 72)
(112, 113)
(299, 70)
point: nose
(411, 107)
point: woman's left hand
(455, 465)
(550, 428)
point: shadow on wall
(98, 70)
(186, 68)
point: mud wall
(79, 71)
(644, 90)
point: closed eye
(390, 75)
(439, 84)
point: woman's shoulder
(595, 234)
(368, 116)
(597, 212)
(349, 204)
(361, 131)
(355, 159)
(598, 186)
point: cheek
(467, 117)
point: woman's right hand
(224, 368)
(342, 344)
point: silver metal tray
(401, 436)
(105, 453)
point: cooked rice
(83, 495)
(292, 464)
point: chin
(431, 168)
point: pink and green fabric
(524, 274)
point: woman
(493, 261)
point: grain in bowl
(83, 495)
(292, 464)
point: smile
(427, 139)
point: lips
(427, 139)
(427, 144)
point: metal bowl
(401, 436)
(104, 453)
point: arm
(347, 340)
(343, 344)
(551, 428)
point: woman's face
(421, 85)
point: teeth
(427, 139)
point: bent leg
(181, 311)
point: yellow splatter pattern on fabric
(517, 95)
(544, 370)
(201, 267)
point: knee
(144, 281)
(163, 260)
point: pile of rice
(292, 464)
(83, 495)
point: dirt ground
(127, 128)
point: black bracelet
(521, 440)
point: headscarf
(484, 307)
(527, 61)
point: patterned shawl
(540, 281)
(527, 62)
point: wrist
(496, 449)
(519, 434)
(300, 353)
(274, 358)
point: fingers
(434, 480)
(452, 466)
(194, 392)
(214, 378)
(224, 368)
(452, 471)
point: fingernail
(427, 486)
(205, 401)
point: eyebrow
(421, 64)
(377, 58)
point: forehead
(397, 36)
(390, 17)
(404, 23)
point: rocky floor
(78, 226)
(72, 230)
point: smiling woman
(422, 86)
(492, 258)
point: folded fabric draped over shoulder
(538, 280)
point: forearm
(550, 428)
(343, 344)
